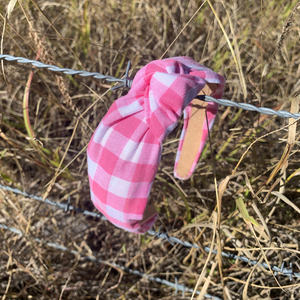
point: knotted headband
(125, 150)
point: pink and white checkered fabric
(125, 150)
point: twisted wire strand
(175, 285)
(282, 270)
(63, 206)
(245, 106)
(162, 235)
(126, 82)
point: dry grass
(262, 62)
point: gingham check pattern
(125, 150)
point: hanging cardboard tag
(193, 135)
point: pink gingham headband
(125, 150)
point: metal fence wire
(161, 235)
(127, 82)
(176, 285)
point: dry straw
(258, 209)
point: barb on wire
(126, 82)
(175, 285)
(282, 270)
(245, 106)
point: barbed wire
(176, 285)
(127, 82)
(162, 235)
(63, 206)
(245, 106)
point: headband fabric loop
(125, 150)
